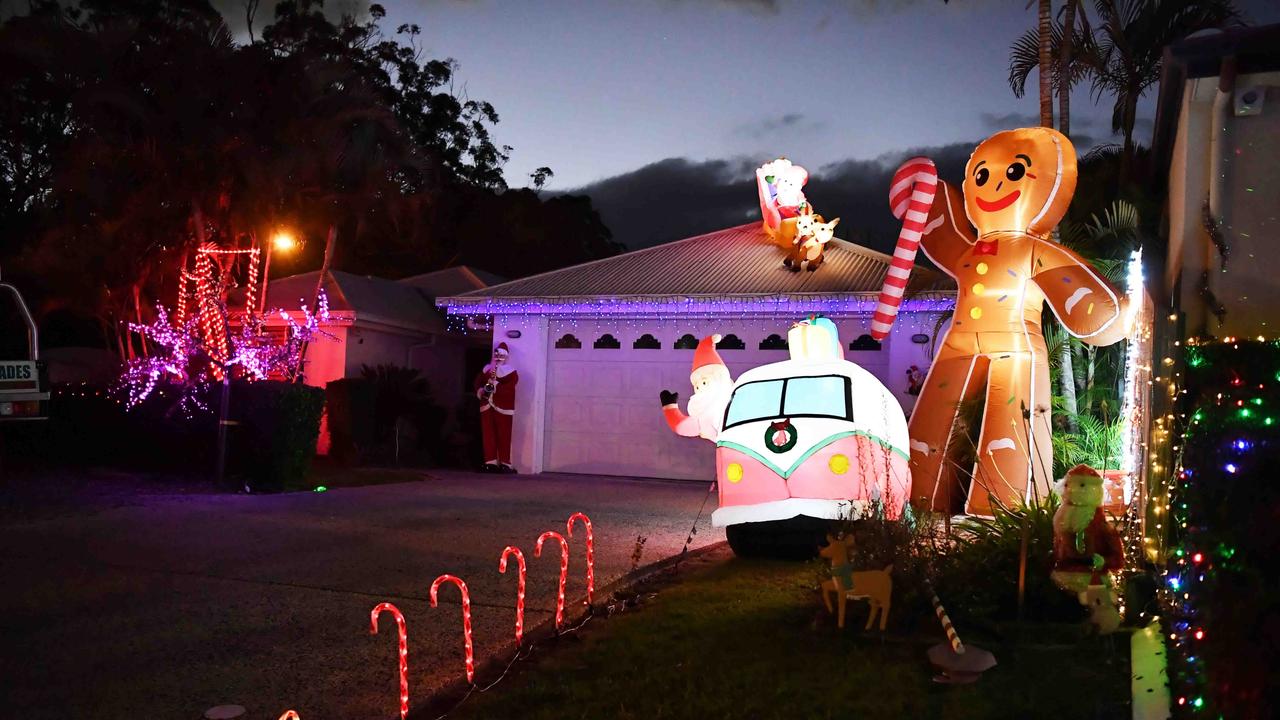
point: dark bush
(275, 438)
(351, 408)
(978, 576)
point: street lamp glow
(283, 241)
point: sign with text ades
(18, 375)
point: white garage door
(603, 412)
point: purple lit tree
(183, 361)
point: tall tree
(1128, 48)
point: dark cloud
(766, 127)
(678, 198)
(761, 7)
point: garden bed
(750, 638)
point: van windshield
(822, 396)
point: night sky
(621, 96)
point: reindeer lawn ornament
(874, 586)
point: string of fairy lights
(1211, 434)
(639, 312)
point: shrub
(978, 575)
(350, 403)
(275, 439)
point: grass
(750, 638)
(331, 476)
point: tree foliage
(133, 130)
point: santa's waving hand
(712, 388)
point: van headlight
(733, 472)
(839, 463)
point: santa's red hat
(503, 347)
(706, 353)
(1084, 470)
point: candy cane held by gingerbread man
(1017, 186)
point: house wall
(1250, 194)
(624, 377)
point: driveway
(165, 605)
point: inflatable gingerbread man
(1017, 186)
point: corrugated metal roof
(740, 261)
(373, 299)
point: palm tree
(1067, 67)
(1125, 57)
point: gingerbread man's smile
(1000, 204)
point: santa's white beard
(710, 403)
(1072, 518)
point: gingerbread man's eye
(1015, 171)
(981, 176)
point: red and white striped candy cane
(956, 645)
(910, 197)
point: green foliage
(913, 544)
(132, 132)
(750, 639)
(275, 439)
(979, 573)
(351, 406)
(1096, 443)
(405, 416)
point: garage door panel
(606, 415)
(603, 411)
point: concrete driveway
(168, 604)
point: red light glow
(502, 568)
(403, 645)
(466, 618)
(564, 570)
(591, 553)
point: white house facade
(595, 344)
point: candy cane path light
(591, 553)
(910, 196)
(466, 618)
(403, 646)
(564, 569)
(502, 568)
(290, 715)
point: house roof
(1253, 50)
(737, 262)
(371, 299)
(452, 281)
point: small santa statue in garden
(1085, 547)
(496, 388)
(712, 388)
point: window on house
(686, 342)
(606, 342)
(568, 342)
(774, 342)
(646, 342)
(731, 342)
(865, 343)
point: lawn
(750, 639)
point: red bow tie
(985, 247)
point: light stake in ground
(591, 553)
(466, 618)
(955, 662)
(403, 647)
(564, 570)
(502, 568)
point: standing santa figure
(496, 388)
(712, 388)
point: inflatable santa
(496, 388)
(712, 388)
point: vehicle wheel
(797, 538)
